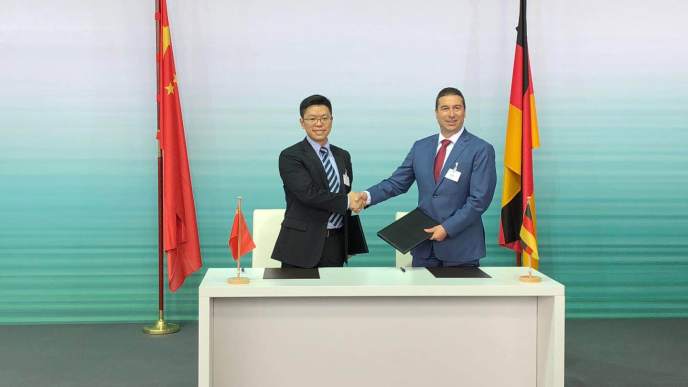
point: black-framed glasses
(313, 120)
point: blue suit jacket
(458, 206)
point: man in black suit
(317, 180)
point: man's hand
(357, 201)
(438, 233)
(364, 197)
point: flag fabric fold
(180, 232)
(517, 228)
(240, 236)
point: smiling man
(456, 176)
(317, 179)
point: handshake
(357, 200)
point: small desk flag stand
(530, 278)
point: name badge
(453, 174)
(345, 180)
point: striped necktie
(333, 181)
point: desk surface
(379, 282)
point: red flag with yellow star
(517, 227)
(180, 233)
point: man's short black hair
(315, 99)
(449, 91)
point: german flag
(517, 228)
(528, 240)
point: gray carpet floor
(97, 355)
(599, 353)
(627, 353)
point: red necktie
(439, 159)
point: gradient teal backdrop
(78, 205)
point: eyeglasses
(313, 120)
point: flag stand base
(161, 327)
(531, 279)
(238, 281)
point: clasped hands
(357, 201)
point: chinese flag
(517, 228)
(240, 237)
(180, 234)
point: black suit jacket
(309, 203)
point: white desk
(379, 326)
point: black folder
(458, 272)
(407, 232)
(290, 273)
(356, 242)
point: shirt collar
(454, 138)
(316, 146)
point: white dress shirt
(453, 140)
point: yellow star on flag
(169, 88)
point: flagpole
(160, 327)
(238, 280)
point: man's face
(317, 122)
(450, 113)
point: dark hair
(449, 91)
(315, 99)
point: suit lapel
(427, 158)
(314, 161)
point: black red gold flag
(518, 225)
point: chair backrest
(402, 259)
(266, 228)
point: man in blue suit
(456, 177)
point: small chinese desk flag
(240, 243)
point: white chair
(266, 228)
(404, 260)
